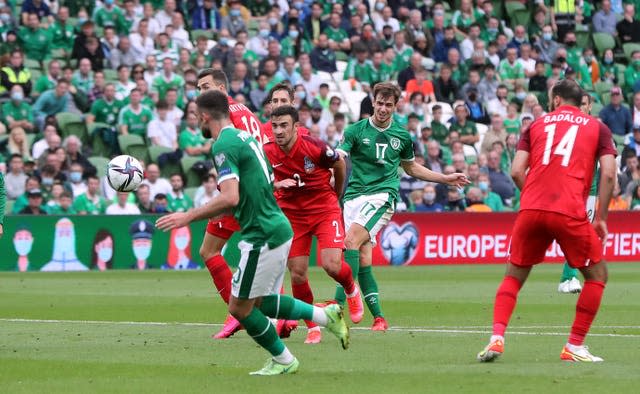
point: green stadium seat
(602, 87)
(603, 41)
(139, 151)
(129, 139)
(8, 206)
(155, 151)
(629, 48)
(72, 124)
(511, 7)
(197, 33)
(58, 54)
(621, 81)
(35, 75)
(97, 144)
(100, 163)
(110, 75)
(521, 17)
(186, 163)
(341, 56)
(32, 64)
(191, 192)
(596, 108)
(583, 39)
(606, 98)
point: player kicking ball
(246, 188)
(302, 167)
(377, 146)
(559, 149)
(569, 282)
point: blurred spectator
(455, 200)
(63, 205)
(333, 109)
(462, 124)
(496, 132)
(122, 206)
(500, 182)
(143, 196)
(528, 63)
(178, 201)
(439, 128)
(634, 197)
(191, 140)
(207, 191)
(615, 115)
(134, 118)
(511, 71)
(105, 109)
(15, 178)
(34, 39)
(51, 102)
(141, 41)
(441, 50)
(538, 82)
(629, 27)
(429, 203)
(17, 112)
(605, 20)
(233, 21)
(155, 182)
(446, 89)
(34, 203)
(166, 80)
(477, 112)
(488, 84)
(162, 132)
(491, 199)
(433, 157)
(123, 54)
(50, 140)
(73, 148)
(174, 114)
(76, 182)
(49, 79)
(323, 58)
(82, 79)
(467, 45)
(22, 201)
(91, 203)
(475, 201)
(512, 123)
(519, 38)
(633, 147)
(422, 85)
(618, 202)
(500, 104)
(546, 45)
(18, 142)
(15, 73)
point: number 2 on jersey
(299, 180)
(251, 125)
(565, 146)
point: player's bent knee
(332, 265)
(598, 272)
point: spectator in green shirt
(34, 39)
(491, 199)
(191, 140)
(178, 201)
(105, 109)
(49, 80)
(82, 78)
(91, 203)
(62, 33)
(64, 206)
(511, 71)
(135, 117)
(16, 112)
(466, 128)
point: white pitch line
(437, 330)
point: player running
(559, 150)
(246, 188)
(302, 167)
(220, 229)
(377, 146)
(569, 282)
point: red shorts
(326, 226)
(223, 227)
(534, 231)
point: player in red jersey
(302, 167)
(559, 150)
(220, 229)
(281, 94)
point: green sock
(568, 273)
(280, 306)
(351, 257)
(369, 289)
(263, 332)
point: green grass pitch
(149, 332)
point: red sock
(344, 277)
(586, 310)
(506, 298)
(303, 292)
(221, 275)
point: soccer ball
(124, 173)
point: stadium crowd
(83, 80)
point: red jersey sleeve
(525, 140)
(325, 156)
(605, 142)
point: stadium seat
(100, 163)
(629, 48)
(129, 139)
(139, 151)
(341, 66)
(603, 41)
(58, 54)
(97, 144)
(621, 80)
(511, 7)
(354, 100)
(110, 75)
(8, 206)
(72, 124)
(521, 17)
(197, 33)
(35, 74)
(186, 163)
(602, 87)
(155, 151)
(583, 39)
(32, 64)
(596, 108)
(606, 98)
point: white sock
(574, 348)
(319, 317)
(316, 328)
(285, 357)
(355, 292)
(496, 338)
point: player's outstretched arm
(339, 176)
(417, 171)
(519, 168)
(228, 198)
(608, 174)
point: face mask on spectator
(484, 186)
(5, 17)
(17, 96)
(429, 197)
(547, 36)
(294, 34)
(492, 30)
(301, 95)
(47, 181)
(108, 2)
(379, 7)
(75, 176)
(191, 94)
(608, 60)
(521, 95)
(234, 13)
(264, 33)
(273, 21)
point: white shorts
(371, 212)
(591, 208)
(260, 270)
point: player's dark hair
(285, 110)
(386, 90)
(219, 77)
(282, 86)
(215, 103)
(568, 90)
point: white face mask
(105, 254)
(142, 252)
(181, 242)
(23, 246)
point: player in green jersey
(377, 146)
(569, 282)
(245, 179)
